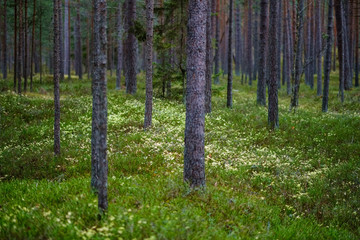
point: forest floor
(299, 182)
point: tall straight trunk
(119, 47)
(148, 63)
(130, 49)
(335, 45)
(289, 49)
(278, 43)
(67, 42)
(261, 84)
(4, 43)
(40, 46)
(327, 62)
(32, 46)
(20, 47)
(99, 164)
(249, 46)
(307, 45)
(25, 44)
(194, 152)
(341, 49)
(88, 40)
(61, 27)
(237, 40)
(273, 112)
(311, 59)
(15, 43)
(256, 44)
(298, 52)
(78, 54)
(217, 45)
(230, 80)
(357, 47)
(57, 75)
(209, 59)
(318, 47)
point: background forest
(180, 119)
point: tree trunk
(99, 164)
(20, 47)
(273, 115)
(217, 45)
(261, 85)
(119, 47)
(209, 59)
(40, 47)
(32, 46)
(318, 47)
(298, 53)
(237, 40)
(327, 63)
(15, 44)
(57, 75)
(130, 49)
(249, 46)
(289, 49)
(4, 42)
(357, 47)
(148, 62)
(25, 44)
(230, 80)
(341, 48)
(61, 42)
(67, 29)
(256, 43)
(78, 54)
(194, 159)
(278, 46)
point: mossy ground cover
(299, 182)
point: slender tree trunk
(341, 49)
(61, 27)
(57, 75)
(194, 159)
(290, 47)
(148, 63)
(209, 59)
(99, 164)
(318, 47)
(25, 44)
(20, 47)
(15, 44)
(335, 45)
(261, 84)
(357, 46)
(256, 43)
(130, 50)
(67, 29)
(273, 115)
(249, 47)
(4, 42)
(298, 52)
(32, 46)
(327, 63)
(237, 40)
(119, 48)
(230, 80)
(78, 56)
(217, 45)
(40, 46)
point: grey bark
(25, 46)
(298, 53)
(194, 160)
(256, 44)
(148, 63)
(61, 27)
(15, 44)
(289, 48)
(67, 30)
(130, 50)
(99, 164)
(57, 75)
(230, 72)
(261, 84)
(209, 59)
(318, 48)
(278, 43)
(217, 47)
(341, 46)
(249, 46)
(20, 48)
(78, 52)
(273, 115)
(4, 43)
(237, 40)
(327, 62)
(32, 46)
(119, 47)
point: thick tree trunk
(99, 164)
(130, 49)
(67, 29)
(327, 63)
(273, 115)
(261, 84)
(78, 54)
(209, 59)
(32, 46)
(148, 63)
(318, 47)
(4, 42)
(57, 75)
(230, 80)
(194, 159)
(298, 53)
(119, 47)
